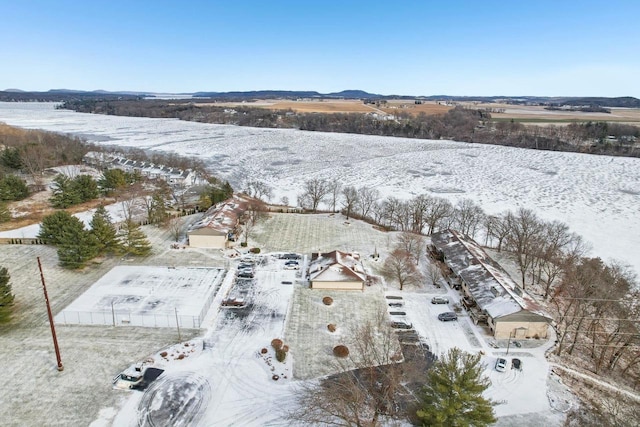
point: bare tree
(314, 192)
(367, 197)
(259, 190)
(369, 384)
(413, 244)
(335, 188)
(468, 216)
(438, 211)
(255, 213)
(399, 266)
(175, 227)
(434, 273)
(350, 200)
(497, 228)
(419, 207)
(525, 231)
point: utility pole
(177, 324)
(53, 328)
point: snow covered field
(598, 196)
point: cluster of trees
(459, 124)
(214, 194)
(77, 245)
(32, 151)
(6, 296)
(376, 384)
(594, 302)
(596, 309)
(69, 191)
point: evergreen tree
(60, 227)
(6, 296)
(85, 187)
(453, 394)
(64, 192)
(104, 232)
(73, 253)
(159, 213)
(13, 188)
(11, 158)
(113, 179)
(133, 239)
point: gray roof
(490, 286)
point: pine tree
(104, 232)
(453, 394)
(159, 213)
(133, 239)
(6, 296)
(75, 253)
(60, 226)
(64, 192)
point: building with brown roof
(336, 270)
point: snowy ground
(223, 378)
(597, 196)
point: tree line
(458, 124)
(594, 303)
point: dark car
(244, 274)
(516, 364)
(397, 313)
(395, 304)
(401, 325)
(447, 316)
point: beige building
(207, 237)
(220, 223)
(336, 270)
(490, 293)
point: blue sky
(544, 48)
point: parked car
(245, 274)
(287, 282)
(399, 324)
(501, 364)
(447, 316)
(395, 304)
(233, 302)
(292, 266)
(397, 313)
(289, 256)
(516, 364)
(439, 300)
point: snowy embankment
(597, 196)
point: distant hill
(60, 95)
(71, 94)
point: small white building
(336, 270)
